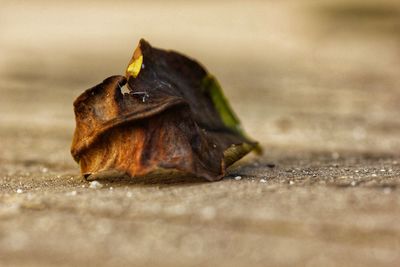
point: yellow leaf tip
(135, 65)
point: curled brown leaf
(169, 121)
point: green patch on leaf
(211, 86)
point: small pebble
(383, 170)
(44, 170)
(208, 213)
(263, 181)
(19, 191)
(291, 182)
(95, 185)
(237, 178)
(374, 175)
(72, 193)
(387, 190)
(129, 194)
(176, 209)
(353, 183)
(335, 155)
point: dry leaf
(172, 120)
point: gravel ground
(316, 83)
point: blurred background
(315, 75)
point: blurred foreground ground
(317, 83)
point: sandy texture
(317, 83)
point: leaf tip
(135, 65)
